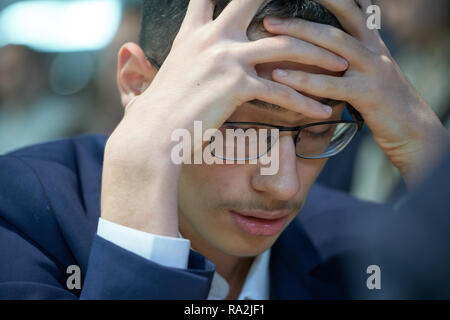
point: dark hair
(161, 20)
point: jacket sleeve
(35, 252)
(116, 273)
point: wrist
(150, 207)
(141, 194)
(425, 156)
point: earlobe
(134, 72)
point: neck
(232, 268)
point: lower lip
(257, 226)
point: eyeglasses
(251, 140)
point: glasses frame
(152, 61)
(357, 119)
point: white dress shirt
(155, 248)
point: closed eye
(321, 134)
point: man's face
(210, 195)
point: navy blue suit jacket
(49, 210)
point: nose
(285, 183)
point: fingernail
(343, 61)
(281, 73)
(274, 21)
(327, 109)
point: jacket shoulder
(64, 151)
(337, 223)
(50, 193)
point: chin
(239, 245)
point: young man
(213, 231)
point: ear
(134, 72)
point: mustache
(295, 206)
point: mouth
(259, 222)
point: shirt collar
(256, 285)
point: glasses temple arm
(152, 62)
(356, 115)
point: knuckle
(336, 83)
(219, 53)
(292, 24)
(311, 103)
(239, 79)
(219, 56)
(386, 60)
(285, 43)
(379, 62)
(315, 31)
(207, 36)
(302, 78)
(335, 33)
(329, 83)
(284, 93)
(235, 81)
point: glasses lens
(242, 142)
(324, 140)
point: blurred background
(58, 76)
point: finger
(199, 12)
(350, 16)
(284, 48)
(325, 36)
(317, 85)
(239, 14)
(286, 97)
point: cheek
(206, 186)
(308, 170)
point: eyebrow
(273, 107)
